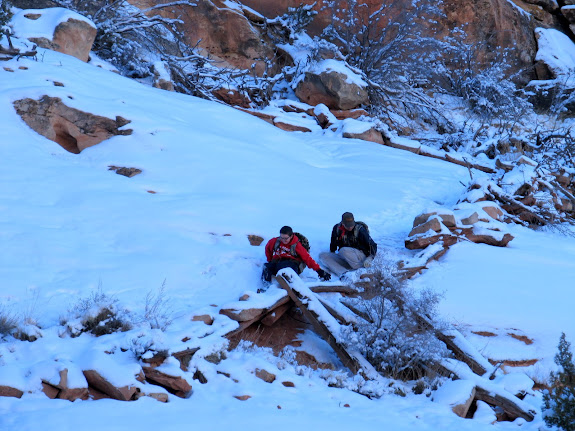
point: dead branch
(446, 157)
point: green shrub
(559, 402)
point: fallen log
(274, 315)
(347, 290)
(489, 392)
(324, 324)
(251, 314)
(437, 154)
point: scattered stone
(242, 397)
(290, 127)
(255, 239)
(97, 381)
(353, 113)
(7, 391)
(206, 318)
(488, 239)
(288, 384)
(423, 242)
(265, 375)
(471, 219)
(447, 219)
(494, 212)
(232, 97)
(174, 384)
(371, 135)
(50, 391)
(127, 172)
(433, 224)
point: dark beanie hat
(347, 219)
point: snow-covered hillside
(212, 175)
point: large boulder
(57, 29)
(227, 34)
(73, 129)
(332, 84)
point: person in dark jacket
(286, 251)
(355, 248)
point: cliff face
(492, 24)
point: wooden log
(486, 391)
(437, 155)
(321, 328)
(251, 314)
(274, 315)
(333, 311)
(346, 290)
(508, 405)
(311, 308)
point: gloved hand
(325, 276)
(367, 262)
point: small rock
(127, 172)
(206, 318)
(434, 225)
(242, 397)
(255, 239)
(265, 375)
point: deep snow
(69, 226)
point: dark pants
(273, 267)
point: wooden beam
(319, 326)
(508, 405)
(347, 290)
(274, 315)
(311, 308)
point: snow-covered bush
(8, 321)
(5, 14)
(386, 44)
(284, 28)
(392, 336)
(98, 314)
(486, 86)
(158, 310)
(148, 344)
(559, 402)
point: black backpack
(358, 225)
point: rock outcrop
(333, 89)
(73, 35)
(229, 36)
(71, 128)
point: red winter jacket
(283, 252)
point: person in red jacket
(286, 251)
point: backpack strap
(292, 247)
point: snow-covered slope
(68, 226)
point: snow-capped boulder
(361, 130)
(458, 394)
(103, 384)
(162, 79)
(71, 128)
(330, 82)
(57, 29)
